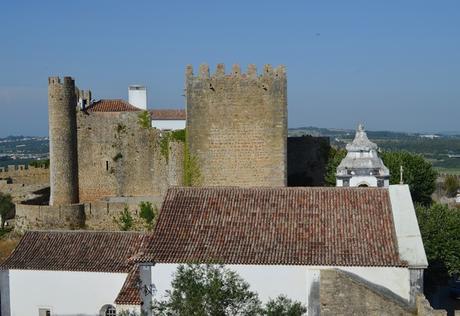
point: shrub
(125, 220)
(148, 213)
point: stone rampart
(26, 175)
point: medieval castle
(102, 157)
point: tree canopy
(418, 173)
(217, 291)
(440, 229)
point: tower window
(106, 165)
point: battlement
(268, 72)
(66, 81)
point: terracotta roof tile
(168, 114)
(295, 226)
(117, 105)
(129, 293)
(77, 251)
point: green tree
(283, 306)
(208, 290)
(440, 229)
(334, 158)
(148, 213)
(124, 220)
(6, 207)
(418, 173)
(451, 185)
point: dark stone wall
(307, 160)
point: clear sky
(393, 64)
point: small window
(108, 310)
(44, 312)
(106, 166)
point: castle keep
(237, 125)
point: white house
(75, 273)
(168, 119)
(362, 166)
(281, 239)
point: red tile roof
(295, 226)
(77, 251)
(117, 105)
(129, 293)
(168, 114)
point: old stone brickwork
(119, 157)
(62, 102)
(237, 125)
(342, 294)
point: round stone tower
(62, 103)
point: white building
(280, 239)
(168, 119)
(137, 96)
(75, 273)
(362, 166)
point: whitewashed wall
(65, 293)
(293, 281)
(168, 124)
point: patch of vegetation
(148, 213)
(124, 220)
(6, 208)
(451, 185)
(121, 128)
(192, 172)
(45, 163)
(167, 137)
(144, 119)
(117, 156)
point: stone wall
(26, 175)
(49, 217)
(306, 160)
(119, 157)
(237, 125)
(345, 294)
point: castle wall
(62, 103)
(119, 157)
(49, 217)
(26, 176)
(237, 125)
(306, 160)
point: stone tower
(237, 125)
(362, 167)
(62, 103)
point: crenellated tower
(237, 125)
(62, 103)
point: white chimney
(137, 96)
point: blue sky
(393, 64)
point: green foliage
(40, 163)
(218, 291)
(208, 290)
(440, 229)
(167, 137)
(148, 213)
(117, 156)
(335, 157)
(144, 119)
(6, 207)
(125, 220)
(451, 185)
(417, 173)
(283, 306)
(192, 173)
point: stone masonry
(62, 102)
(237, 125)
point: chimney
(137, 96)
